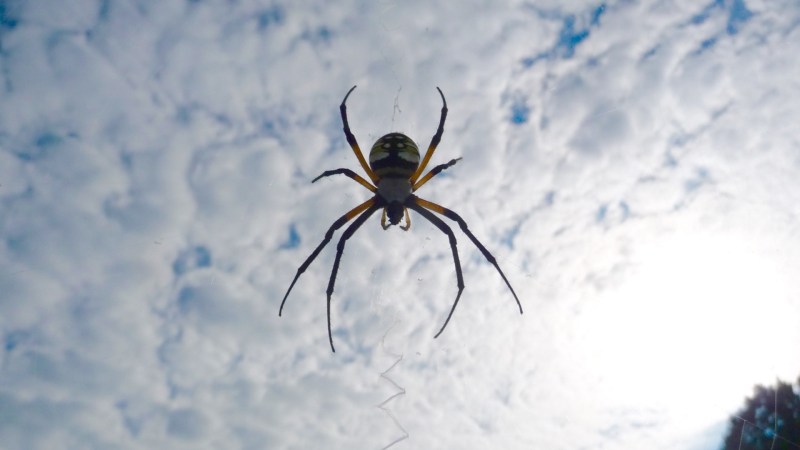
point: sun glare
(698, 322)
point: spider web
(401, 391)
(389, 64)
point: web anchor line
(400, 390)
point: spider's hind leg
(439, 223)
(339, 251)
(328, 235)
(463, 224)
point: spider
(394, 170)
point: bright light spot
(699, 321)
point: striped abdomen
(394, 156)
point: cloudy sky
(633, 165)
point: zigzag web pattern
(400, 390)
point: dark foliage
(770, 420)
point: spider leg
(434, 141)
(461, 223)
(435, 171)
(339, 251)
(350, 174)
(439, 223)
(352, 139)
(336, 225)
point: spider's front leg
(351, 139)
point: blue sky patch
(294, 239)
(703, 15)
(569, 38)
(597, 14)
(600, 215)
(708, 43)
(739, 14)
(193, 258)
(6, 19)
(701, 177)
(13, 339)
(519, 112)
(270, 17)
(41, 146)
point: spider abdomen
(394, 155)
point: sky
(632, 165)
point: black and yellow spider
(395, 170)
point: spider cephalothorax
(394, 169)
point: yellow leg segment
(434, 142)
(435, 171)
(350, 174)
(352, 140)
(359, 209)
